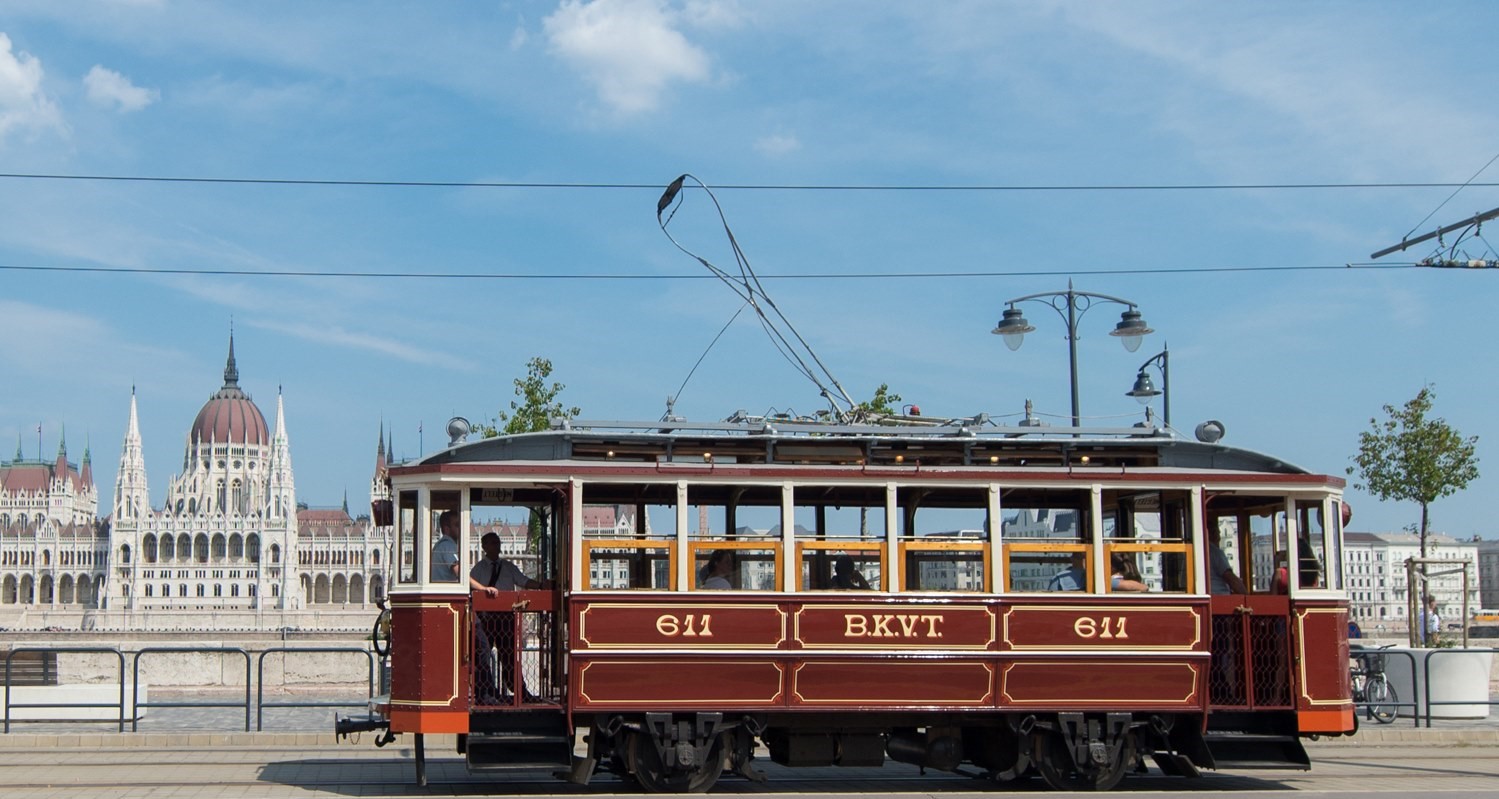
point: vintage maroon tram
(887, 591)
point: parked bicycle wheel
(1381, 698)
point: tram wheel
(1054, 762)
(655, 777)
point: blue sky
(1292, 358)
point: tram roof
(800, 442)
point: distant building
(53, 549)
(1376, 580)
(230, 547)
(1488, 574)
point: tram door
(515, 632)
(1251, 636)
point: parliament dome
(230, 416)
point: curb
(1414, 736)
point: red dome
(230, 420)
(230, 416)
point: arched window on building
(222, 495)
(321, 589)
(8, 590)
(148, 590)
(218, 590)
(65, 590)
(340, 594)
(184, 547)
(252, 547)
(356, 589)
(168, 548)
(125, 553)
(220, 547)
(234, 590)
(236, 547)
(237, 502)
(166, 589)
(200, 548)
(45, 593)
(275, 553)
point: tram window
(406, 525)
(629, 564)
(445, 555)
(1252, 535)
(733, 511)
(832, 565)
(832, 521)
(945, 566)
(735, 565)
(1041, 531)
(1032, 567)
(1312, 545)
(1148, 531)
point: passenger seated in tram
(445, 551)
(715, 574)
(1124, 575)
(845, 576)
(1280, 582)
(1072, 578)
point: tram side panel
(429, 680)
(1324, 701)
(833, 653)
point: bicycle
(1371, 688)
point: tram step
(509, 752)
(1249, 751)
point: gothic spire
(231, 372)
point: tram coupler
(352, 725)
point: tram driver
(445, 551)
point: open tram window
(406, 573)
(1252, 535)
(1145, 540)
(524, 520)
(840, 537)
(1047, 537)
(1312, 545)
(943, 535)
(629, 536)
(734, 536)
(446, 563)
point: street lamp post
(1145, 389)
(1071, 305)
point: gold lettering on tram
(891, 625)
(689, 626)
(1104, 627)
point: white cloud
(630, 50)
(111, 89)
(23, 104)
(777, 144)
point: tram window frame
(1046, 547)
(1312, 545)
(963, 524)
(408, 569)
(1266, 520)
(1171, 546)
(441, 501)
(699, 551)
(820, 538)
(645, 554)
(812, 552)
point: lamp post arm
(1164, 359)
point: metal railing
(10, 694)
(261, 704)
(1409, 704)
(129, 705)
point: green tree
(532, 411)
(1409, 456)
(883, 403)
(536, 403)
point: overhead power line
(140, 270)
(656, 187)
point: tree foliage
(883, 403)
(1413, 457)
(536, 403)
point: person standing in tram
(496, 631)
(1223, 578)
(445, 551)
(845, 576)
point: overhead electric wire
(478, 184)
(1186, 270)
(1465, 184)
